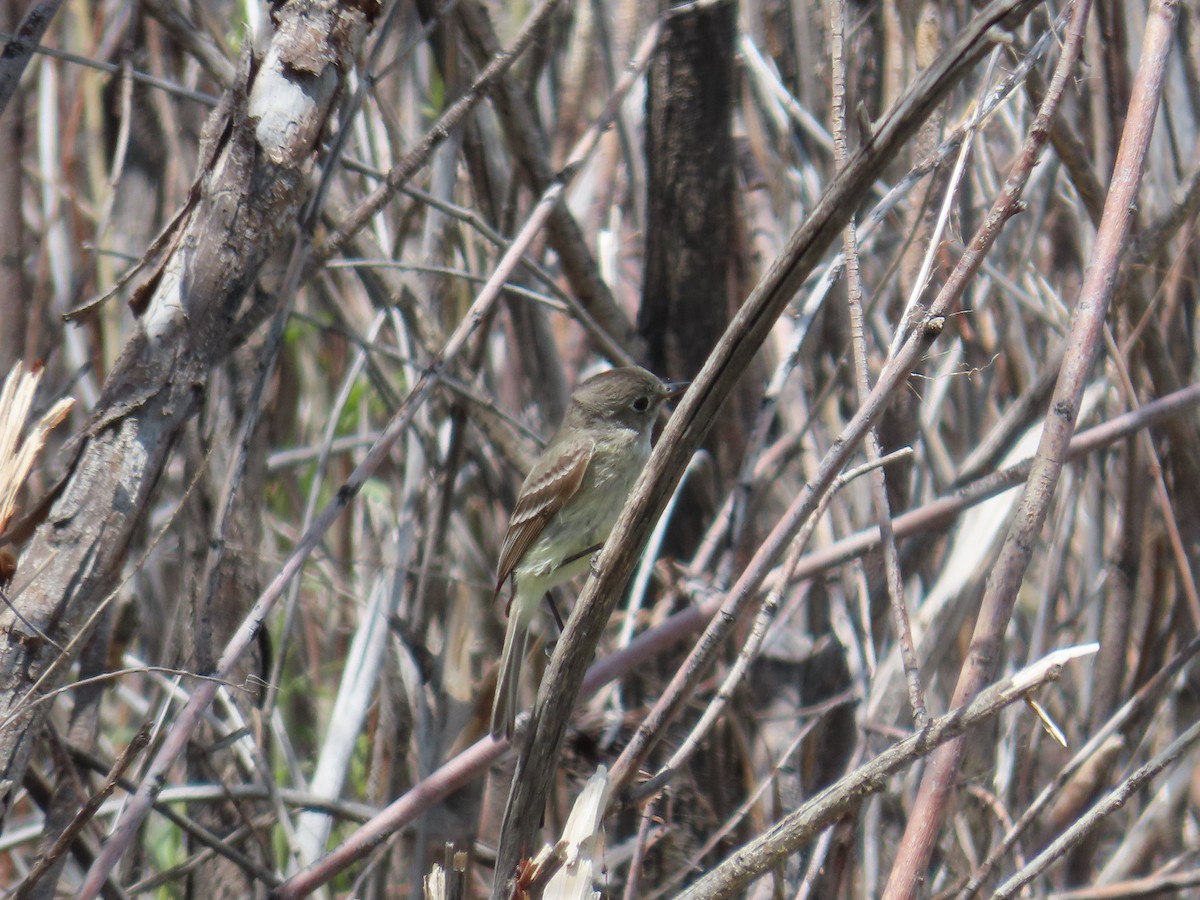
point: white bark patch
(286, 104)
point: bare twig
(1086, 329)
(758, 632)
(451, 119)
(858, 343)
(801, 826)
(1133, 709)
(691, 421)
(85, 814)
(1112, 802)
(21, 46)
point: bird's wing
(551, 483)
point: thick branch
(691, 422)
(1087, 326)
(259, 147)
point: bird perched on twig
(569, 502)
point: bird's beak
(675, 389)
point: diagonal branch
(691, 422)
(21, 46)
(259, 147)
(1087, 326)
(803, 825)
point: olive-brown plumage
(568, 504)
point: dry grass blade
(19, 445)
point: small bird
(569, 502)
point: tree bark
(256, 158)
(14, 291)
(688, 291)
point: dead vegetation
(320, 276)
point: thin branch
(1113, 801)
(762, 623)
(795, 830)
(1085, 335)
(691, 422)
(21, 46)
(858, 344)
(84, 815)
(452, 118)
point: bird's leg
(589, 551)
(581, 554)
(554, 610)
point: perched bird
(569, 502)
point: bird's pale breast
(614, 468)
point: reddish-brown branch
(691, 421)
(1082, 344)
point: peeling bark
(259, 148)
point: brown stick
(85, 814)
(801, 826)
(1086, 332)
(691, 422)
(858, 342)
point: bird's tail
(508, 682)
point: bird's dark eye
(641, 404)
